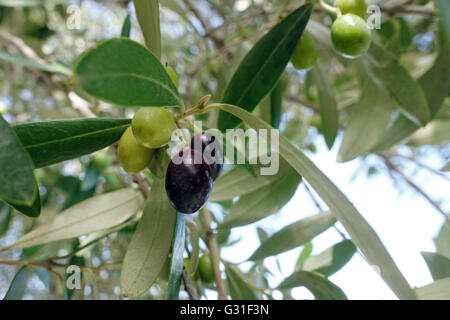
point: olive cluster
(349, 34)
(190, 174)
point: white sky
(406, 223)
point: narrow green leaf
(304, 254)
(27, 62)
(361, 232)
(262, 202)
(400, 129)
(436, 132)
(261, 68)
(147, 13)
(443, 7)
(262, 235)
(438, 265)
(368, 121)
(150, 245)
(194, 238)
(176, 267)
(385, 68)
(17, 287)
(442, 240)
(97, 213)
(126, 27)
(276, 102)
(294, 235)
(436, 85)
(318, 284)
(436, 81)
(123, 72)
(17, 183)
(327, 105)
(237, 182)
(238, 288)
(332, 259)
(54, 141)
(438, 290)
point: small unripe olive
(358, 7)
(133, 156)
(102, 160)
(205, 269)
(305, 53)
(153, 127)
(350, 35)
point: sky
(405, 222)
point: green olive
(173, 75)
(205, 269)
(358, 7)
(102, 160)
(350, 35)
(153, 127)
(305, 53)
(133, 156)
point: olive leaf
(147, 13)
(368, 121)
(17, 287)
(17, 183)
(124, 72)
(330, 260)
(318, 284)
(327, 105)
(50, 142)
(27, 62)
(97, 213)
(239, 289)
(238, 182)
(384, 68)
(294, 235)
(262, 202)
(262, 67)
(438, 265)
(438, 290)
(150, 245)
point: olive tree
(119, 119)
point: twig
(420, 10)
(189, 286)
(50, 265)
(319, 207)
(142, 183)
(420, 164)
(413, 185)
(214, 252)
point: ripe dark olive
(188, 181)
(210, 147)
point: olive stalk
(329, 8)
